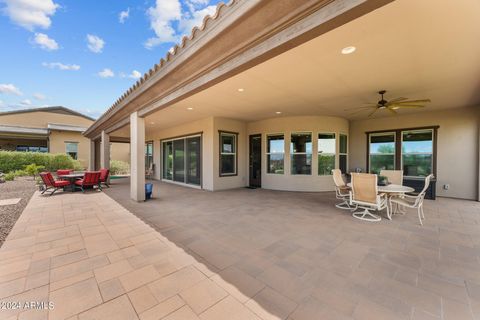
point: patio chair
(415, 202)
(104, 174)
(365, 195)
(61, 172)
(393, 176)
(51, 183)
(342, 192)
(90, 179)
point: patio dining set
(364, 194)
(69, 180)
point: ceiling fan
(391, 105)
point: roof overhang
(15, 130)
(241, 35)
(64, 127)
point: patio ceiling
(414, 49)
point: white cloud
(30, 14)
(169, 22)
(61, 66)
(122, 16)
(45, 42)
(95, 43)
(161, 17)
(196, 19)
(135, 75)
(39, 96)
(9, 88)
(26, 102)
(106, 73)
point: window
(301, 153)
(148, 155)
(343, 153)
(182, 160)
(71, 149)
(382, 152)
(275, 153)
(31, 149)
(417, 152)
(228, 154)
(326, 153)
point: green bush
(13, 160)
(33, 169)
(10, 176)
(20, 173)
(118, 167)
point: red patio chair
(51, 183)
(61, 172)
(90, 179)
(104, 173)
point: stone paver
(8, 202)
(239, 254)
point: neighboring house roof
(56, 109)
(23, 130)
(65, 127)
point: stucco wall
(120, 151)
(204, 126)
(58, 139)
(287, 125)
(458, 146)
(41, 119)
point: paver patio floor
(238, 254)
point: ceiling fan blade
(358, 111)
(414, 101)
(395, 106)
(371, 113)
(396, 100)
(392, 111)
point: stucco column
(91, 159)
(105, 151)
(137, 157)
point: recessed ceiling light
(241, 89)
(189, 108)
(348, 50)
(278, 112)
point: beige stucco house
(264, 94)
(51, 129)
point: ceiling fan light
(395, 107)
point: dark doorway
(255, 162)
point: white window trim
(328, 153)
(417, 153)
(270, 153)
(370, 143)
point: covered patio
(237, 254)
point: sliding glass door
(182, 160)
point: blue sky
(85, 54)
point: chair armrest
(410, 196)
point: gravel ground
(20, 188)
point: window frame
(267, 165)
(68, 153)
(385, 133)
(398, 146)
(340, 153)
(291, 153)
(220, 153)
(335, 154)
(422, 153)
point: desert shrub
(10, 176)
(13, 160)
(33, 169)
(20, 173)
(118, 167)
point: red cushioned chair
(51, 183)
(90, 179)
(62, 172)
(104, 173)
